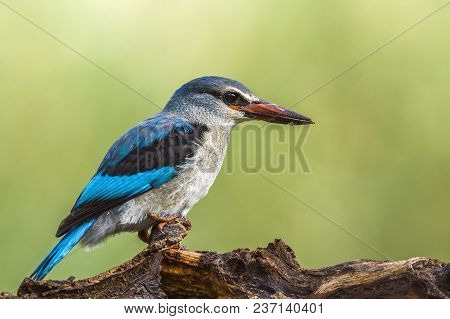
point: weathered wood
(166, 270)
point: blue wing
(145, 157)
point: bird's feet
(175, 229)
(161, 221)
(145, 235)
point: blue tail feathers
(64, 246)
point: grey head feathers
(201, 100)
(211, 85)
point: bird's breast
(192, 182)
(199, 173)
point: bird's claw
(144, 236)
(162, 221)
(160, 226)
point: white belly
(175, 197)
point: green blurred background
(379, 153)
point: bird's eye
(231, 97)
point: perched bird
(164, 165)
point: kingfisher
(160, 168)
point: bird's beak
(262, 110)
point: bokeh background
(379, 154)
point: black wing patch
(172, 150)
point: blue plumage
(125, 172)
(105, 187)
(143, 135)
(61, 249)
(105, 191)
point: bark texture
(166, 270)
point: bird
(159, 169)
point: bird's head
(217, 100)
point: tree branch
(166, 270)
